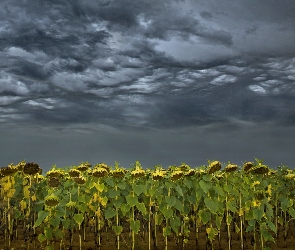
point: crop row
(249, 199)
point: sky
(162, 82)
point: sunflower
(51, 200)
(214, 167)
(190, 172)
(83, 167)
(118, 173)
(79, 180)
(53, 182)
(137, 173)
(260, 169)
(74, 173)
(55, 173)
(247, 166)
(231, 168)
(176, 175)
(99, 172)
(32, 168)
(10, 170)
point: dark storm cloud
(152, 64)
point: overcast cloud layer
(133, 80)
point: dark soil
(108, 241)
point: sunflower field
(111, 207)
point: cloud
(224, 79)
(149, 63)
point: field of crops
(105, 207)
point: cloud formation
(152, 64)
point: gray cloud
(146, 64)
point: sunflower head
(83, 167)
(137, 173)
(231, 168)
(158, 175)
(260, 169)
(71, 205)
(259, 195)
(190, 172)
(74, 173)
(99, 172)
(10, 170)
(53, 182)
(55, 173)
(79, 180)
(20, 165)
(247, 166)
(118, 173)
(289, 176)
(51, 200)
(214, 167)
(176, 175)
(32, 168)
(102, 165)
(184, 167)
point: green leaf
(131, 200)
(58, 233)
(17, 214)
(48, 233)
(179, 190)
(121, 185)
(113, 193)
(41, 237)
(286, 203)
(141, 207)
(219, 190)
(175, 223)
(211, 205)
(249, 229)
(41, 216)
(118, 202)
(117, 229)
(66, 223)
(227, 188)
(125, 208)
(218, 221)
(267, 236)
(100, 187)
(272, 226)
(79, 218)
(207, 178)
(192, 198)
(138, 189)
(81, 198)
(110, 181)
(205, 216)
(257, 213)
(179, 205)
(166, 231)
(135, 225)
(170, 200)
(82, 207)
(211, 232)
(54, 221)
(169, 184)
(109, 213)
(232, 206)
(188, 183)
(167, 212)
(205, 185)
(291, 211)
